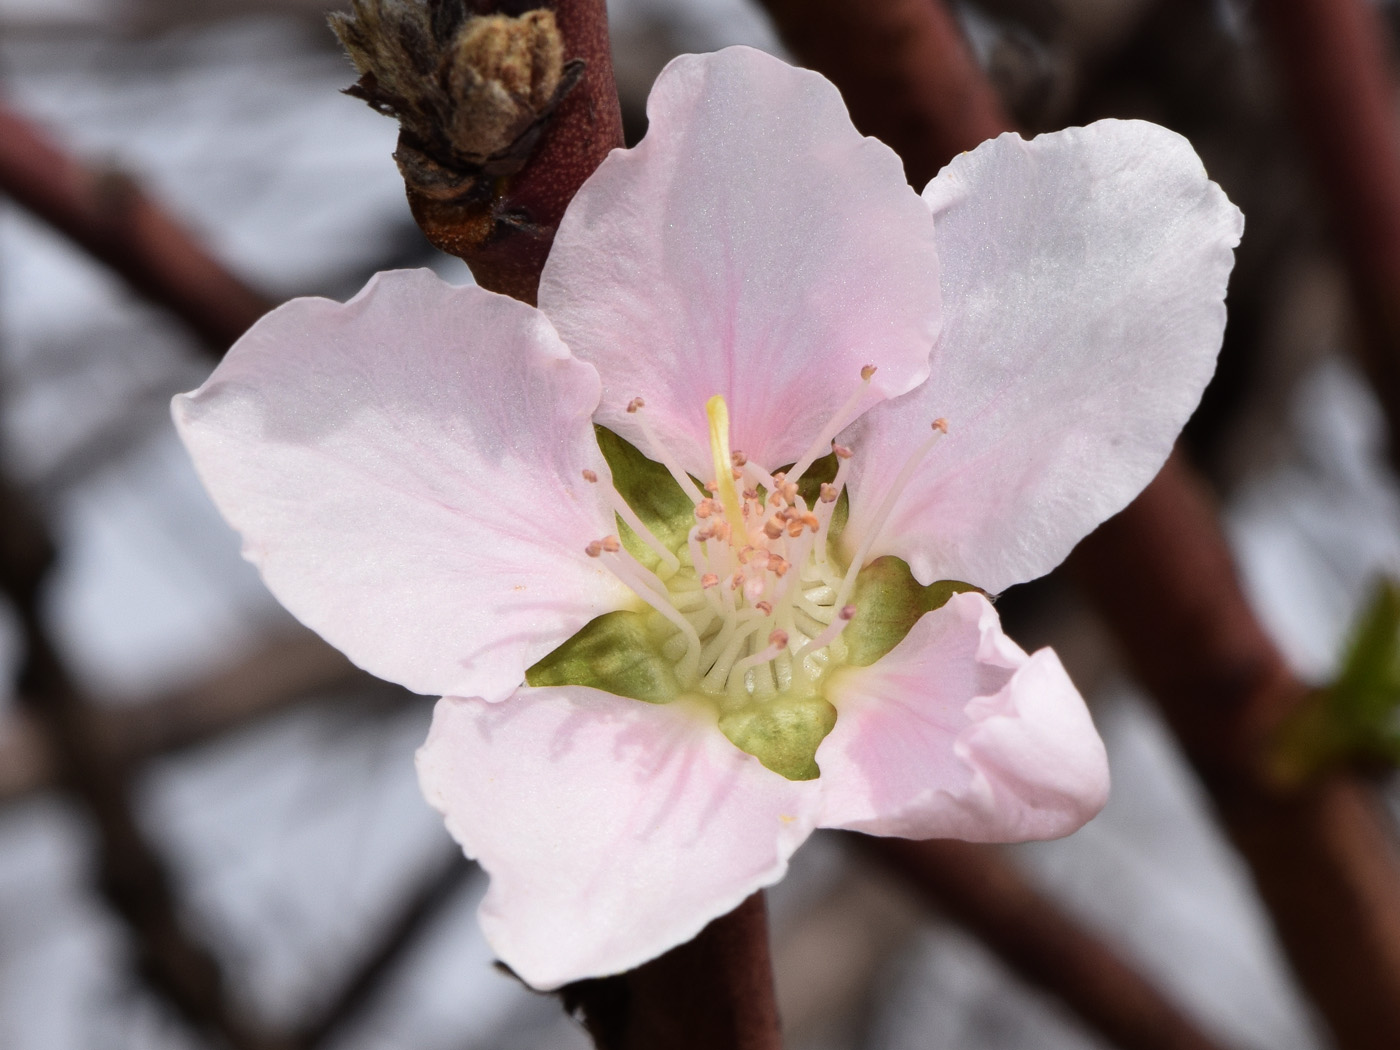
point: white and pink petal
(405, 470)
(753, 245)
(612, 829)
(1083, 277)
(957, 733)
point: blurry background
(277, 784)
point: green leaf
(651, 492)
(889, 601)
(1357, 717)
(615, 652)
(782, 732)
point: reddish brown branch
(108, 216)
(980, 890)
(1332, 61)
(715, 991)
(903, 70)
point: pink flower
(416, 474)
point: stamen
(756, 474)
(877, 520)
(627, 514)
(660, 451)
(652, 591)
(833, 630)
(777, 643)
(837, 423)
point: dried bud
(470, 92)
(479, 99)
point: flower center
(752, 593)
(747, 595)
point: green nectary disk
(615, 652)
(889, 602)
(783, 732)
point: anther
(709, 580)
(829, 492)
(635, 404)
(766, 608)
(738, 458)
(811, 521)
(848, 612)
(778, 565)
(590, 476)
(594, 549)
(722, 529)
(842, 452)
(794, 529)
(705, 508)
(778, 638)
(867, 372)
(940, 424)
(611, 544)
(736, 581)
(774, 528)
